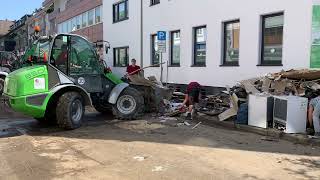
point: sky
(15, 9)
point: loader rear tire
(70, 110)
(130, 105)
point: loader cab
(76, 57)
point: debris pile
(303, 83)
(292, 82)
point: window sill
(115, 22)
(229, 65)
(199, 65)
(261, 65)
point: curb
(295, 138)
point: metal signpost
(162, 46)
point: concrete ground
(147, 149)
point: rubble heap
(292, 82)
(303, 83)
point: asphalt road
(147, 149)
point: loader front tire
(130, 105)
(70, 110)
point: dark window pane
(120, 11)
(155, 55)
(231, 42)
(59, 55)
(272, 39)
(154, 2)
(200, 46)
(121, 57)
(83, 59)
(175, 48)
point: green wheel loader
(68, 78)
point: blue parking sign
(162, 35)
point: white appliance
(260, 111)
(290, 114)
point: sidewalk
(295, 138)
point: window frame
(224, 45)
(194, 63)
(154, 2)
(171, 48)
(116, 5)
(263, 62)
(115, 58)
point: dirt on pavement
(147, 149)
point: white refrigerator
(290, 114)
(260, 111)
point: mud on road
(147, 149)
(105, 148)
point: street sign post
(162, 41)
(162, 47)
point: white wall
(124, 33)
(185, 14)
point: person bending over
(191, 98)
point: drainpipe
(141, 33)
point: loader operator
(191, 98)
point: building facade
(83, 17)
(4, 29)
(17, 38)
(216, 43)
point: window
(69, 25)
(79, 21)
(121, 56)
(98, 14)
(84, 20)
(272, 39)
(64, 27)
(200, 46)
(155, 58)
(175, 48)
(74, 24)
(120, 11)
(59, 28)
(82, 57)
(154, 2)
(59, 55)
(231, 43)
(90, 17)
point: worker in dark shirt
(133, 69)
(192, 97)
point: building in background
(213, 42)
(83, 17)
(17, 38)
(4, 29)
